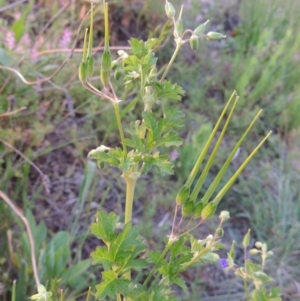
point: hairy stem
(118, 117)
(162, 256)
(178, 45)
(244, 279)
(130, 187)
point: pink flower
(9, 40)
(174, 155)
(66, 38)
(25, 40)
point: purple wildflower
(9, 40)
(66, 38)
(25, 40)
(224, 263)
(174, 155)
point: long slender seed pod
(206, 146)
(211, 189)
(207, 167)
(90, 46)
(228, 185)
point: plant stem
(117, 113)
(178, 45)
(164, 253)
(130, 187)
(244, 279)
(195, 258)
(118, 297)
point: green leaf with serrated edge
(103, 256)
(155, 136)
(111, 156)
(131, 262)
(154, 256)
(136, 264)
(159, 293)
(252, 267)
(162, 293)
(136, 141)
(112, 285)
(104, 226)
(181, 283)
(131, 64)
(138, 65)
(179, 255)
(124, 243)
(173, 118)
(170, 139)
(138, 292)
(153, 125)
(260, 294)
(167, 90)
(138, 48)
(165, 166)
(131, 159)
(197, 245)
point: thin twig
(8, 201)
(45, 178)
(12, 112)
(29, 83)
(193, 228)
(187, 225)
(5, 83)
(9, 6)
(174, 219)
(77, 50)
(178, 225)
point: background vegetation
(62, 122)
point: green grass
(273, 209)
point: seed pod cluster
(187, 208)
(182, 195)
(208, 211)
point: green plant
(277, 215)
(142, 147)
(52, 257)
(139, 153)
(253, 272)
